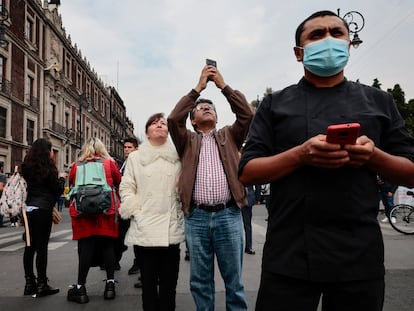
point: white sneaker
(385, 219)
(393, 220)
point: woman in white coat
(149, 198)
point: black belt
(216, 207)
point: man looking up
(210, 192)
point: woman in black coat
(44, 186)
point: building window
(102, 107)
(29, 88)
(52, 113)
(3, 74)
(29, 30)
(30, 129)
(3, 123)
(68, 66)
(66, 120)
(79, 79)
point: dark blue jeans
(387, 201)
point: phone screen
(211, 62)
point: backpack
(14, 195)
(91, 193)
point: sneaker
(249, 251)
(385, 219)
(393, 220)
(77, 294)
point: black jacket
(43, 194)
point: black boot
(134, 269)
(43, 289)
(78, 294)
(31, 287)
(109, 292)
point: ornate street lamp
(356, 22)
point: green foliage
(376, 83)
(406, 109)
(255, 103)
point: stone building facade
(49, 89)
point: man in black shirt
(323, 236)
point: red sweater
(100, 224)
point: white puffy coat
(149, 196)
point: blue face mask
(326, 57)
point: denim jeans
(221, 234)
(388, 202)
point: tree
(406, 109)
(376, 84)
(255, 103)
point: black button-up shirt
(323, 222)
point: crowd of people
(323, 240)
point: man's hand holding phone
(359, 148)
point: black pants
(159, 275)
(40, 225)
(120, 246)
(283, 293)
(93, 251)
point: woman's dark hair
(37, 165)
(151, 119)
(300, 28)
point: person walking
(150, 199)
(323, 239)
(61, 198)
(96, 233)
(210, 192)
(44, 186)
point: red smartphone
(343, 134)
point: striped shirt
(211, 185)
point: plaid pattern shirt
(211, 185)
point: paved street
(62, 270)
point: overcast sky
(153, 51)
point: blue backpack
(91, 193)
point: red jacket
(100, 224)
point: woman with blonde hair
(95, 233)
(149, 197)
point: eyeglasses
(205, 106)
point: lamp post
(356, 22)
(84, 98)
